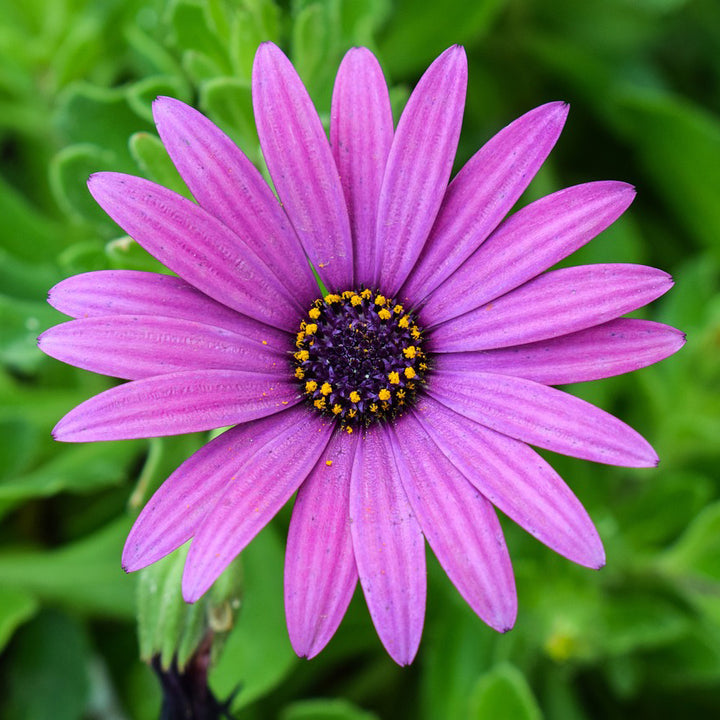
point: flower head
(399, 404)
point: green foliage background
(639, 639)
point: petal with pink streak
(528, 243)
(361, 133)
(515, 479)
(482, 193)
(556, 303)
(542, 416)
(274, 469)
(320, 570)
(419, 166)
(301, 165)
(177, 403)
(173, 514)
(389, 547)
(614, 348)
(197, 246)
(138, 346)
(231, 188)
(460, 525)
(105, 293)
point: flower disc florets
(359, 357)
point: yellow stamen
(384, 314)
(302, 355)
(320, 403)
(355, 396)
(380, 300)
(336, 409)
(356, 300)
(352, 413)
(310, 386)
(310, 328)
(374, 407)
(348, 430)
(366, 293)
(398, 309)
(314, 313)
(415, 332)
(401, 394)
(330, 299)
(403, 322)
(410, 351)
(394, 378)
(347, 294)
(384, 394)
(326, 388)
(409, 373)
(299, 374)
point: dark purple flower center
(359, 357)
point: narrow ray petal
(231, 188)
(482, 193)
(616, 347)
(542, 416)
(528, 243)
(556, 303)
(419, 166)
(320, 570)
(174, 512)
(389, 547)
(130, 292)
(361, 132)
(460, 525)
(518, 481)
(137, 346)
(195, 245)
(270, 475)
(301, 165)
(181, 402)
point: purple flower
(399, 405)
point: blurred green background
(640, 639)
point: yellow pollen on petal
(336, 409)
(410, 351)
(355, 396)
(356, 300)
(380, 300)
(320, 403)
(310, 328)
(314, 313)
(348, 430)
(264, 342)
(409, 373)
(310, 386)
(302, 355)
(384, 314)
(328, 463)
(404, 322)
(299, 374)
(384, 394)
(326, 388)
(394, 378)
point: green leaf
(16, 607)
(229, 103)
(504, 694)
(151, 157)
(192, 31)
(257, 655)
(254, 22)
(140, 95)
(325, 710)
(126, 254)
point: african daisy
(398, 402)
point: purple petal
(556, 303)
(272, 472)
(232, 189)
(130, 292)
(175, 511)
(138, 346)
(389, 547)
(460, 525)
(361, 132)
(419, 166)
(518, 481)
(320, 570)
(482, 193)
(301, 165)
(614, 348)
(528, 243)
(181, 402)
(196, 246)
(542, 416)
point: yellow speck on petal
(326, 388)
(384, 314)
(314, 313)
(310, 386)
(384, 394)
(336, 409)
(394, 378)
(264, 342)
(404, 322)
(310, 328)
(328, 463)
(409, 373)
(348, 430)
(410, 351)
(302, 355)
(355, 396)
(380, 300)
(356, 300)
(299, 374)
(320, 403)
